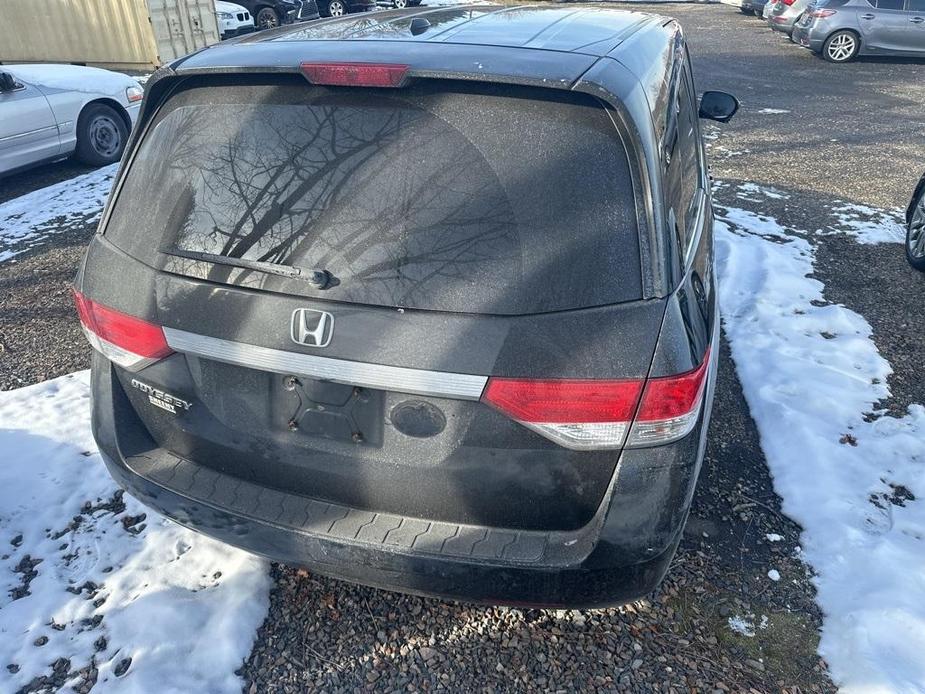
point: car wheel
(915, 234)
(400, 4)
(746, 10)
(337, 8)
(267, 18)
(841, 46)
(101, 135)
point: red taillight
(564, 401)
(670, 406)
(586, 414)
(125, 340)
(355, 74)
(666, 397)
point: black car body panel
(916, 193)
(308, 10)
(308, 455)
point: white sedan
(49, 112)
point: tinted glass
(447, 197)
(889, 4)
(915, 5)
(683, 170)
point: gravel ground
(40, 337)
(327, 635)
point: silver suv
(843, 29)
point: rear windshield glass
(443, 196)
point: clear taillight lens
(821, 14)
(125, 340)
(594, 415)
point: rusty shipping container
(117, 34)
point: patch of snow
(112, 580)
(868, 225)
(772, 111)
(726, 153)
(710, 132)
(754, 193)
(864, 535)
(774, 537)
(774, 575)
(33, 218)
(741, 625)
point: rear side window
(442, 196)
(683, 180)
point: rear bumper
(782, 23)
(803, 36)
(581, 586)
(622, 557)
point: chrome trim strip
(379, 376)
(28, 132)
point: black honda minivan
(423, 300)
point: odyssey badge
(161, 399)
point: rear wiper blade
(262, 266)
(320, 279)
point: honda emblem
(312, 328)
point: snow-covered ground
(34, 218)
(849, 475)
(89, 579)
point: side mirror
(718, 106)
(7, 83)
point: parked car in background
(49, 112)
(377, 323)
(753, 7)
(233, 20)
(840, 30)
(272, 13)
(401, 4)
(915, 227)
(308, 11)
(338, 8)
(784, 14)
